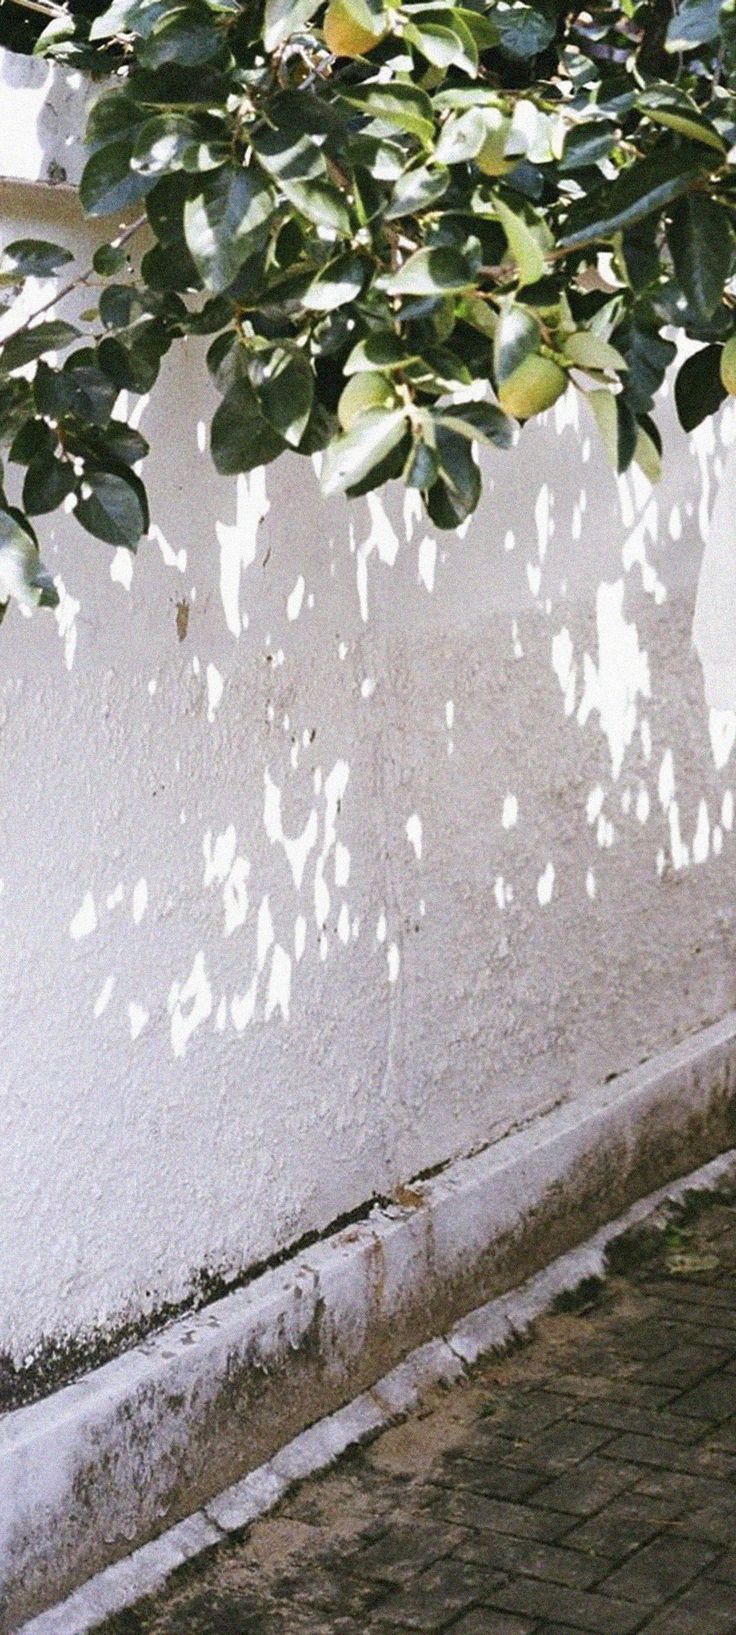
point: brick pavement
(585, 1483)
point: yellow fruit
(368, 390)
(343, 36)
(535, 385)
(491, 159)
(728, 366)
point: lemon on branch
(533, 386)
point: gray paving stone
(595, 1614)
(706, 1609)
(403, 1551)
(483, 1622)
(438, 1595)
(622, 1526)
(670, 1423)
(586, 1488)
(726, 1567)
(658, 1571)
(714, 1398)
(533, 1560)
(556, 1448)
(522, 1521)
(496, 1481)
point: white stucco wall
(332, 848)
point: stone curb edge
(490, 1329)
(107, 1464)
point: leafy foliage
(473, 207)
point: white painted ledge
(107, 1464)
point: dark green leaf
(109, 183)
(32, 258)
(417, 190)
(287, 394)
(399, 105)
(701, 244)
(699, 391)
(645, 188)
(48, 481)
(430, 272)
(241, 437)
(523, 31)
(517, 334)
(586, 144)
(110, 507)
(28, 344)
(696, 22)
(353, 456)
(227, 222)
(337, 283)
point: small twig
(74, 283)
(47, 10)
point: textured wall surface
(332, 848)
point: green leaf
(517, 335)
(696, 22)
(647, 456)
(701, 244)
(430, 272)
(287, 395)
(400, 105)
(458, 470)
(336, 284)
(417, 190)
(679, 115)
(34, 437)
(444, 47)
(617, 427)
(350, 458)
(186, 35)
(586, 144)
(478, 420)
(241, 436)
(588, 351)
(227, 222)
(108, 260)
(28, 344)
(128, 17)
(523, 243)
(462, 138)
(161, 144)
(285, 17)
(32, 258)
(109, 182)
(23, 577)
(48, 480)
(421, 469)
(645, 188)
(699, 390)
(109, 506)
(524, 32)
(382, 350)
(320, 202)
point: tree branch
(74, 283)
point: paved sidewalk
(585, 1483)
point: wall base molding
(201, 1428)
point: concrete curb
(489, 1329)
(107, 1464)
